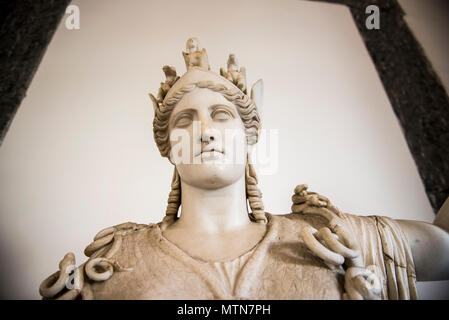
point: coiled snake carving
(335, 245)
(68, 282)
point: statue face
(207, 138)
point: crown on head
(197, 58)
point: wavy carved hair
(251, 121)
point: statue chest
(277, 269)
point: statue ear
(257, 95)
(155, 103)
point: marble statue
(210, 245)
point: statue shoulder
(71, 282)
(111, 238)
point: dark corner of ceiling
(26, 28)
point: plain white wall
(79, 155)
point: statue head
(205, 124)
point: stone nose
(208, 132)
(207, 135)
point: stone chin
(211, 174)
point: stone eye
(184, 120)
(221, 115)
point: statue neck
(214, 210)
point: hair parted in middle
(232, 85)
